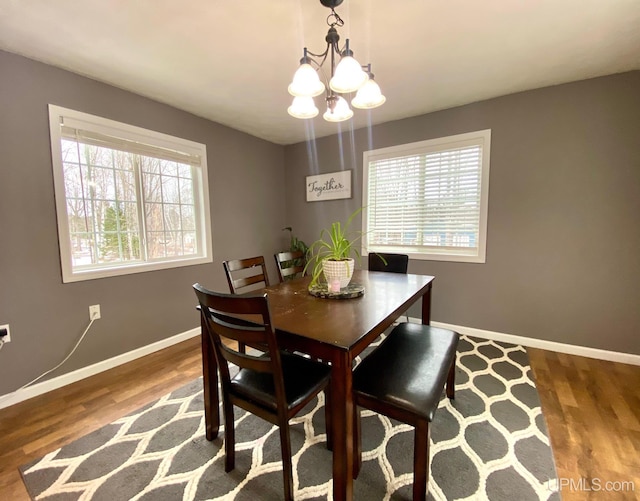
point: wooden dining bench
(403, 379)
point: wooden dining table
(336, 331)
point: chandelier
(346, 76)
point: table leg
(426, 307)
(210, 384)
(342, 417)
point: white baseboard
(65, 379)
(583, 351)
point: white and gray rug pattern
(489, 443)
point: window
(127, 199)
(428, 199)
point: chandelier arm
(324, 54)
(320, 66)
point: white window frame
(434, 253)
(204, 254)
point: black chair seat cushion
(302, 378)
(409, 368)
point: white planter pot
(341, 271)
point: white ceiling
(231, 61)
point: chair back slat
(259, 364)
(240, 283)
(219, 310)
(243, 332)
(290, 264)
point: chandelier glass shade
(338, 111)
(346, 77)
(369, 95)
(306, 82)
(303, 107)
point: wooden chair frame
(219, 312)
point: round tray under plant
(350, 291)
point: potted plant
(298, 259)
(295, 245)
(332, 255)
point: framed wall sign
(329, 186)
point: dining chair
(392, 263)
(290, 264)
(245, 275)
(274, 385)
(403, 379)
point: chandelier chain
(337, 20)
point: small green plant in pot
(295, 245)
(332, 255)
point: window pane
(129, 212)
(156, 242)
(173, 246)
(125, 186)
(190, 242)
(186, 190)
(118, 241)
(170, 190)
(168, 168)
(172, 219)
(152, 185)
(150, 165)
(188, 218)
(184, 170)
(83, 249)
(69, 151)
(101, 183)
(154, 218)
(72, 180)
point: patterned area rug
(489, 443)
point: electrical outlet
(94, 312)
(7, 337)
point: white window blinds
(428, 199)
(128, 141)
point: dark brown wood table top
(344, 323)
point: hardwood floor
(592, 410)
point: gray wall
(563, 251)
(47, 316)
(563, 260)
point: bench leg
(421, 461)
(451, 380)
